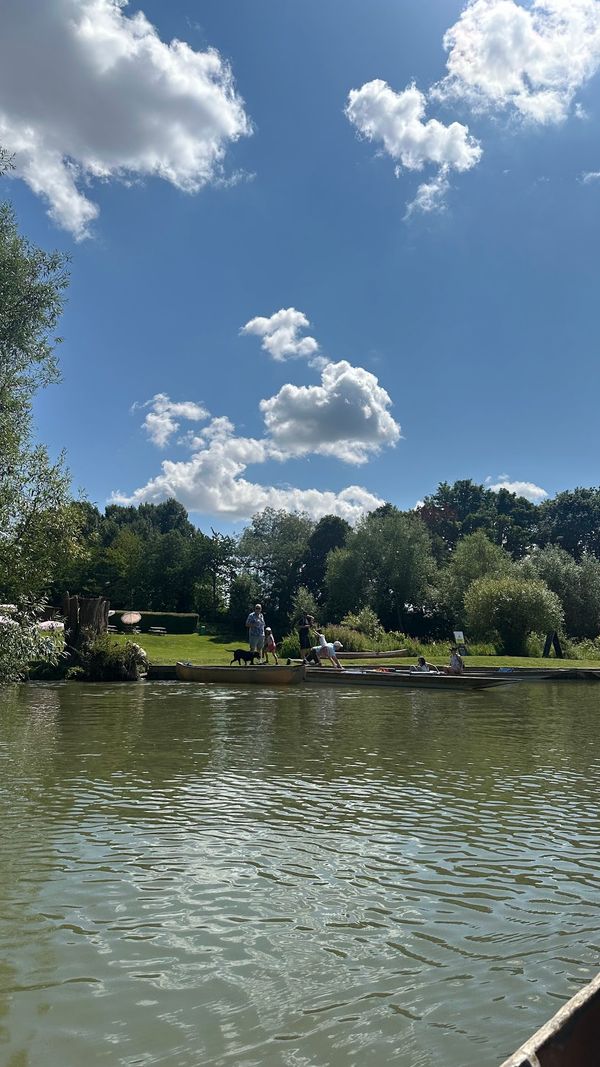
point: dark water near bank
(308, 879)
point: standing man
(307, 623)
(255, 624)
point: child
(270, 645)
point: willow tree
(35, 521)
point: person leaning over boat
(424, 667)
(325, 650)
(255, 624)
(456, 665)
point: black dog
(240, 655)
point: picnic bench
(158, 630)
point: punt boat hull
(248, 675)
(396, 679)
(570, 1039)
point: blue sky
(438, 243)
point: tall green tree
(273, 549)
(36, 524)
(387, 565)
(572, 521)
(330, 532)
(475, 556)
(511, 608)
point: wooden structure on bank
(86, 618)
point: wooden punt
(396, 653)
(398, 679)
(570, 1039)
(247, 675)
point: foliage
(576, 583)
(387, 565)
(475, 556)
(244, 593)
(330, 532)
(365, 621)
(303, 604)
(107, 660)
(457, 510)
(22, 643)
(572, 521)
(512, 608)
(273, 548)
(36, 526)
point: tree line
(488, 562)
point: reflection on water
(215, 876)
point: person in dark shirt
(307, 624)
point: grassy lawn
(217, 649)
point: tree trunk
(86, 618)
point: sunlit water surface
(307, 878)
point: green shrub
(589, 648)
(172, 621)
(106, 660)
(365, 622)
(290, 647)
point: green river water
(311, 878)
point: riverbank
(204, 648)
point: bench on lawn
(159, 630)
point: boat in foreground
(397, 679)
(266, 674)
(570, 1039)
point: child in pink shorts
(270, 645)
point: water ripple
(337, 878)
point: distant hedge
(172, 621)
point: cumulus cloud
(590, 176)
(532, 58)
(211, 482)
(346, 416)
(163, 418)
(531, 492)
(281, 334)
(398, 121)
(430, 196)
(87, 91)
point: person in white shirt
(325, 650)
(424, 667)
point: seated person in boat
(424, 667)
(456, 665)
(325, 650)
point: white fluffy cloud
(532, 57)
(531, 492)
(398, 121)
(281, 334)
(163, 418)
(211, 482)
(346, 416)
(89, 92)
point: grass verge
(204, 648)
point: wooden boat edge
(574, 1022)
(266, 674)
